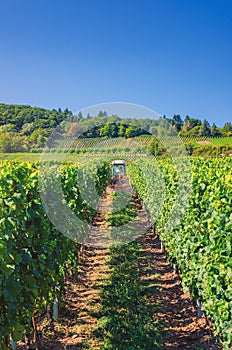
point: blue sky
(172, 56)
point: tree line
(23, 127)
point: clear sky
(173, 56)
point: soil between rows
(78, 312)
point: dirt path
(83, 291)
(78, 313)
(183, 329)
(206, 142)
(77, 320)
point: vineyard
(200, 246)
(39, 264)
(35, 256)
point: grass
(221, 141)
(218, 141)
(35, 157)
(20, 157)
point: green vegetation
(20, 157)
(34, 255)
(128, 320)
(200, 244)
(222, 141)
(24, 128)
(207, 147)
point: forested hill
(26, 119)
(23, 127)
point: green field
(205, 146)
(221, 141)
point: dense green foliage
(27, 119)
(24, 128)
(34, 255)
(201, 243)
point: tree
(73, 130)
(194, 131)
(153, 147)
(41, 141)
(187, 124)
(153, 130)
(5, 142)
(131, 131)
(7, 128)
(227, 129)
(122, 130)
(19, 143)
(177, 122)
(80, 116)
(110, 130)
(12, 142)
(102, 114)
(28, 128)
(204, 128)
(190, 123)
(67, 113)
(214, 131)
(92, 132)
(37, 133)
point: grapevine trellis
(34, 256)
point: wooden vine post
(34, 332)
(162, 246)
